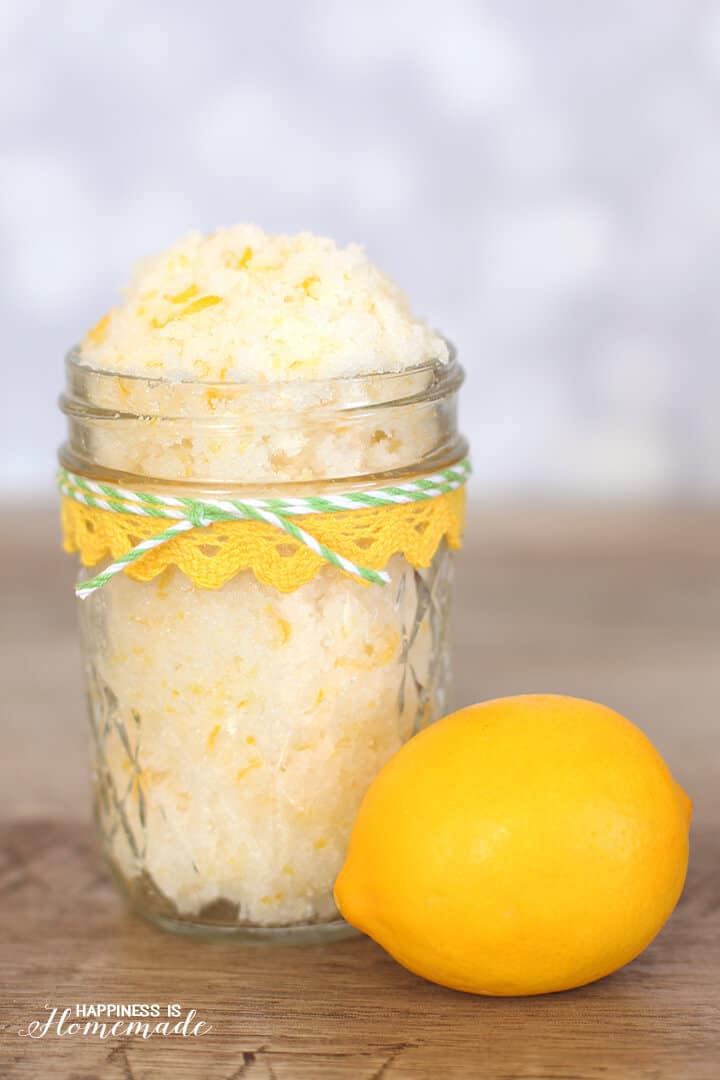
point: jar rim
(426, 381)
(263, 420)
(73, 358)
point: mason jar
(242, 696)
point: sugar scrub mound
(241, 304)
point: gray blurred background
(542, 178)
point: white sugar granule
(242, 304)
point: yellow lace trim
(210, 557)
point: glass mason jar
(235, 729)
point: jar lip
(427, 381)
(73, 360)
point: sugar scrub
(244, 692)
(243, 304)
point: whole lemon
(520, 846)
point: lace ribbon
(212, 540)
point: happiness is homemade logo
(108, 1021)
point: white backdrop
(542, 178)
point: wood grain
(623, 606)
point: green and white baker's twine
(199, 513)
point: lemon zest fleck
(186, 294)
(199, 305)
(96, 336)
(307, 285)
(212, 737)
(254, 764)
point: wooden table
(623, 606)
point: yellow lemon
(521, 846)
